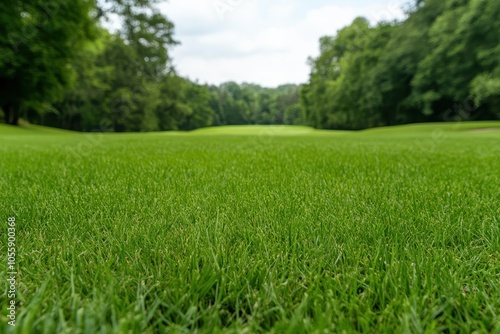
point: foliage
(442, 59)
(39, 38)
(252, 104)
(60, 67)
(88, 79)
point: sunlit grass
(255, 232)
(29, 129)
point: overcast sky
(260, 41)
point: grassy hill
(288, 130)
(30, 129)
(433, 127)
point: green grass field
(254, 229)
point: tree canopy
(440, 63)
(39, 40)
(60, 66)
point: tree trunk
(11, 115)
(15, 116)
(6, 111)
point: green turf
(411, 129)
(392, 230)
(30, 129)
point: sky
(266, 42)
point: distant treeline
(60, 67)
(173, 103)
(251, 104)
(440, 64)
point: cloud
(257, 41)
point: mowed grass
(390, 230)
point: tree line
(60, 66)
(442, 63)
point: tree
(443, 57)
(342, 91)
(38, 41)
(464, 59)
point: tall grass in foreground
(153, 233)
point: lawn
(254, 229)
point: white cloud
(257, 41)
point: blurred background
(147, 65)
